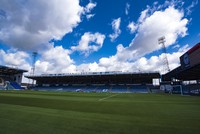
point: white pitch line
(108, 97)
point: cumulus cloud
(89, 43)
(132, 27)
(169, 23)
(143, 15)
(151, 24)
(15, 58)
(29, 25)
(143, 64)
(116, 28)
(90, 67)
(156, 63)
(55, 60)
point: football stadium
(184, 79)
(103, 102)
(99, 67)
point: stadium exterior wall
(191, 57)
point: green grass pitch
(37, 112)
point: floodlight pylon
(162, 41)
(34, 54)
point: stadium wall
(191, 57)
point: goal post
(177, 89)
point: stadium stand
(119, 88)
(189, 70)
(10, 78)
(94, 81)
(97, 88)
(103, 88)
(138, 88)
(15, 85)
(2, 87)
(90, 89)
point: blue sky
(96, 35)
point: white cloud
(176, 46)
(15, 58)
(90, 67)
(89, 16)
(189, 8)
(169, 23)
(143, 64)
(155, 63)
(132, 27)
(89, 43)
(143, 15)
(29, 25)
(55, 60)
(89, 7)
(116, 28)
(127, 8)
(52, 60)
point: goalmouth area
(97, 113)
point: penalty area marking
(107, 97)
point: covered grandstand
(10, 78)
(189, 68)
(97, 81)
(188, 73)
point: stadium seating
(138, 89)
(59, 88)
(15, 85)
(74, 88)
(119, 88)
(192, 89)
(97, 88)
(2, 87)
(102, 89)
(90, 89)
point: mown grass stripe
(82, 113)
